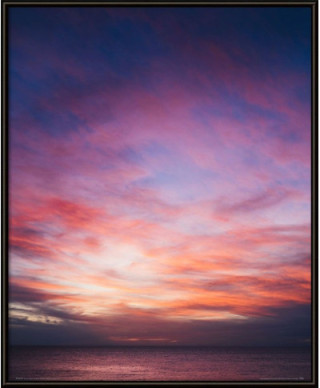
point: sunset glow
(159, 175)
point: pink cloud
(176, 195)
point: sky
(159, 176)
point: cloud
(159, 176)
(276, 330)
(257, 202)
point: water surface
(159, 364)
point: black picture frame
(6, 5)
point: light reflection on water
(159, 364)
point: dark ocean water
(159, 364)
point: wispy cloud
(159, 174)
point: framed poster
(160, 193)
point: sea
(146, 363)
